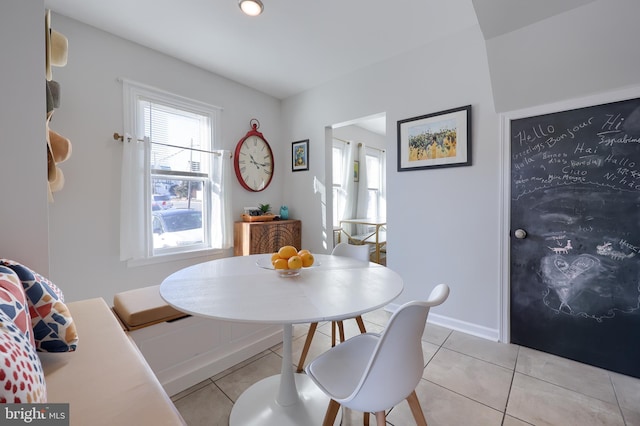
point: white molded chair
(360, 252)
(374, 372)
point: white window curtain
(133, 219)
(347, 186)
(362, 198)
(222, 232)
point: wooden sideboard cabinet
(265, 237)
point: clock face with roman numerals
(253, 162)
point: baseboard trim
(492, 334)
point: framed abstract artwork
(440, 139)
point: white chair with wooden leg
(360, 252)
(371, 372)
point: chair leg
(361, 324)
(416, 410)
(381, 419)
(333, 333)
(331, 414)
(307, 344)
(341, 330)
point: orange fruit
(280, 264)
(295, 262)
(274, 257)
(303, 251)
(307, 259)
(286, 252)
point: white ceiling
(296, 45)
(293, 46)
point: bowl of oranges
(288, 261)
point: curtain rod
(359, 144)
(117, 136)
(342, 140)
(371, 147)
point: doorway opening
(358, 183)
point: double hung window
(174, 183)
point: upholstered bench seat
(106, 381)
(183, 350)
(143, 307)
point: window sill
(205, 255)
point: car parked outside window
(177, 228)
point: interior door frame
(505, 182)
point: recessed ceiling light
(251, 7)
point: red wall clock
(253, 160)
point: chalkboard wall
(575, 191)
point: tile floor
(467, 381)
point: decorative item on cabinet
(265, 237)
(260, 214)
(284, 212)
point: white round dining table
(237, 289)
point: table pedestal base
(257, 405)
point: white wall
(588, 50)
(443, 223)
(23, 165)
(84, 218)
(360, 135)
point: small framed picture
(440, 139)
(356, 171)
(300, 156)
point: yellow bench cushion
(143, 307)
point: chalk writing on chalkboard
(575, 190)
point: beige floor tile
(347, 417)
(351, 328)
(631, 417)
(237, 382)
(502, 354)
(476, 379)
(428, 351)
(240, 365)
(512, 421)
(542, 403)
(320, 343)
(628, 393)
(468, 381)
(442, 407)
(300, 330)
(379, 317)
(207, 406)
(190, 390)
(435, 334)
(566, 373)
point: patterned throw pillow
(13, 301)
(21, 375)
(53, 326)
